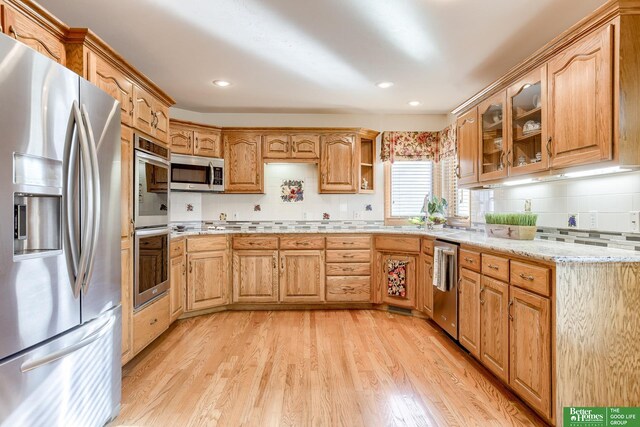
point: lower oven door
(151, 269)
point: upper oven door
(191, 173)
(151, 188)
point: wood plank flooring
(312, 368)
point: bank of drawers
(348, 268)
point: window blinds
(411, 181)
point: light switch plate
(635, 221)
(593, 220)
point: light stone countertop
(546, 250)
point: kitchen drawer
(348, 256)
(150, 322)
(255, 242)
(398, 244)
(176, 248)
(302, 242)
(496, 267)
(206, 243)
(348, 289)
(344, 269)
(427, 246)
(349, 242)
(469, 259)
(531, 277)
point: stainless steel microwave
(193, 173)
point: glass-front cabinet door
(527, 108)
(493, 134)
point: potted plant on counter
(517, 226)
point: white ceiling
(323, 56)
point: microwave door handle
(95, 188)
(212, 176)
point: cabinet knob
(153, 322)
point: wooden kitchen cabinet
(581, 101)
(126, 265)
(305, 146)
(277, 146)
(302, 276)
(426, 284)
(494, 327)
(126, 182)
(207, 279)
(468, 143)
(528, 125)
(492, 116)
(112, 81)
(150, 115)
(23, 24)
(469, 311)
(244, 169)
(207, 143)
(338, 164)
(297, 147)
(530, 348)
(178, 287)
(150, 322)
(181, 139)
(398, 279)
(255, 276)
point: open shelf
(527, 114)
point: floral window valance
(447, 142)
(409, 146)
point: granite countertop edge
(545, 250)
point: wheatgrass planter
(515, 232)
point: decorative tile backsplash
(600, 203)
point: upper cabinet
(338, 164)
(467, 133)
(192, 139)
(493, 137)
(143, 105)
(581, 101)
(295, 147)
(244, 168)
(34, 27)
(527, 107)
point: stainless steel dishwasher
(445, 286)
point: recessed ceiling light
(414, 103)
(384, 85)
(221, 83)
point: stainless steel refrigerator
(60, 314)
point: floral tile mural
(292, 191)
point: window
(410, 182)
(459, 199)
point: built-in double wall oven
(151, 216)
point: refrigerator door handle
(95, 189)
(70, 169)
(57, 355)
(87, 209)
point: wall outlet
(235, 216)
(357, 215)
(305, 216)
(635, 221)
(592, 219)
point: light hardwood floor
(303, 368)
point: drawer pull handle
(348, 288)
(509, 309)
(347, 243)
(469, 260)
(348, 269)
(153, 322)
(493, 267)
(527, 276)
(347, 256)
(302, 243)
(481, 291)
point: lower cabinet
(494, 327)
(126, 262)
(255, 276)
(530, 348)
(426, 284)
(178, 286)
(469, 311)
(151, 321)
(207, 279)
(302, 277)
(398, 278)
